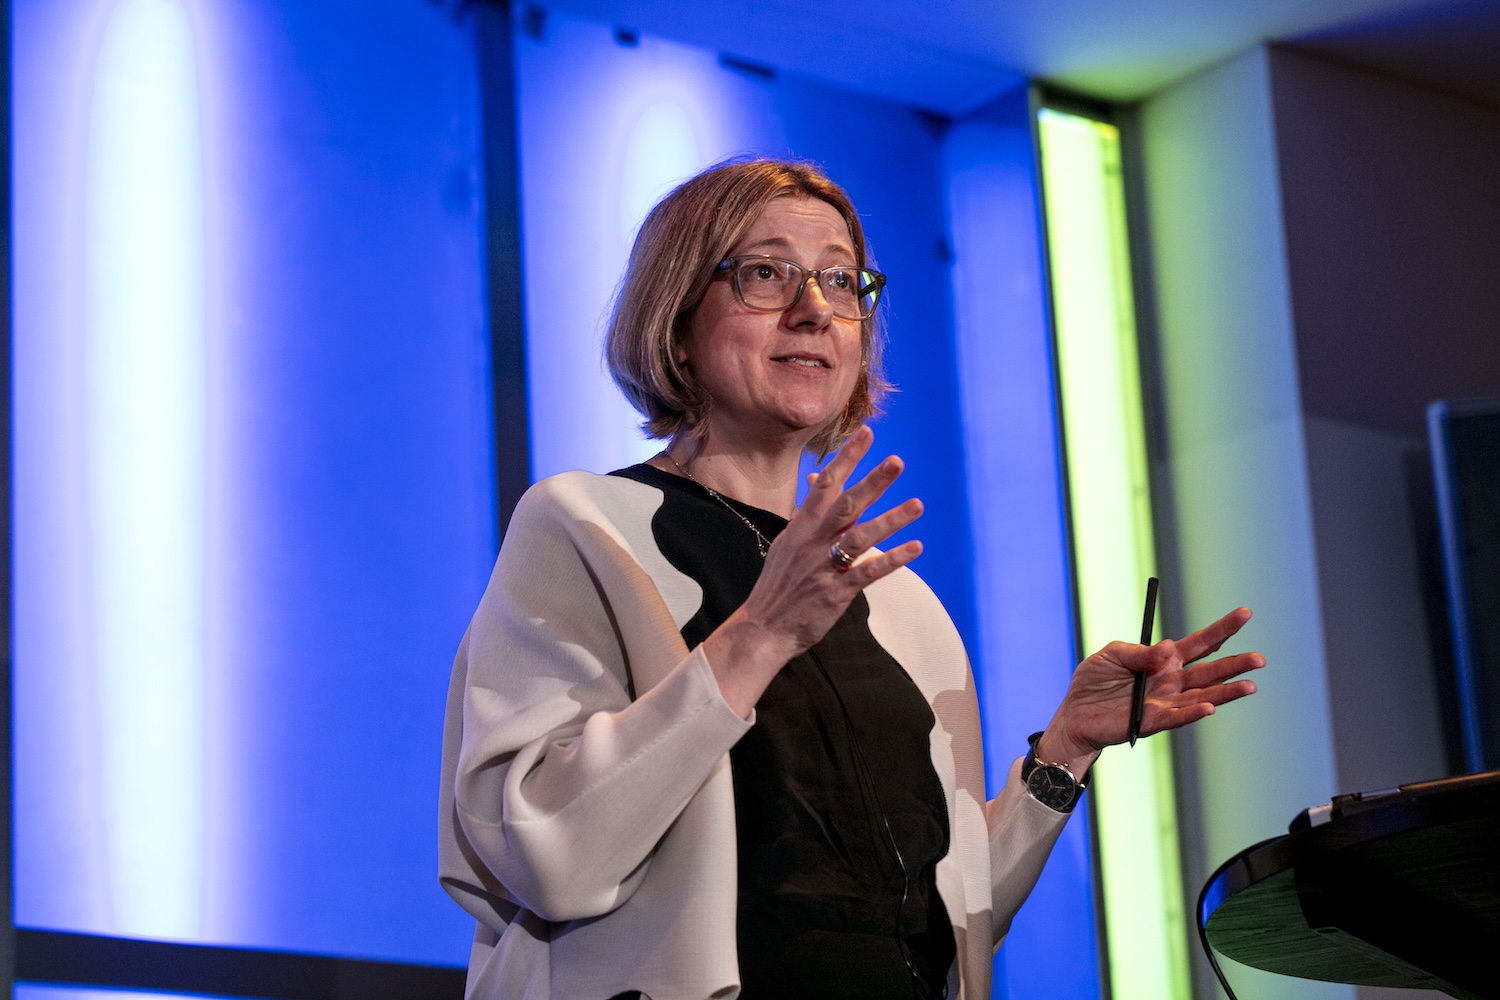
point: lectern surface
(1399, 889)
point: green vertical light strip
(1114, 550)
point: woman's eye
(763, 272)
(841, 280)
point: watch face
(1052, 786)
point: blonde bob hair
(675, 256)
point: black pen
(1138, 694)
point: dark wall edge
(124, 963)
(7, 938)
(494, 37)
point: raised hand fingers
(829, 519)
(1206, 675)
(860, 537)
(866, 572)
(873, 531)
(1176, 718)
(1205, 687)
(826, 485)
(839, 508)
(1181, 708)
(1223, 694)
(1208, 640)
(855, 500)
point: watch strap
(1029, 764)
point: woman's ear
(682, 339)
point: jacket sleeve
(557, 784)
(1022, 832)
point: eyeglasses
(770, 284)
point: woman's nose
(811, 305)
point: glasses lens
(851, 291)
(871, 284)
(768, 283)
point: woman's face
(772, 375)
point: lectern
(1395, 888)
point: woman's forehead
(797, 220)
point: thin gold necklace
(761, 542)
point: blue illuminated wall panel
(341, 430)
(1024, 641)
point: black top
(840, 817)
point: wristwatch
(1053, 785)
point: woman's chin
(788, 423)
(806, 426)
(813, 415)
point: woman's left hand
(1095, 713)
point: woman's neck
(765, 478)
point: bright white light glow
(144, 273)
(661, 152)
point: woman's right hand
(801, 593)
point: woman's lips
(803, 360)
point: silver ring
(840, 558)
